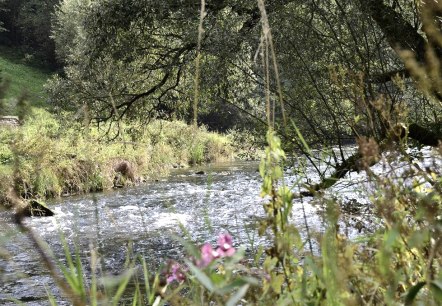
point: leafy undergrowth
(45, 159)
(397, 264)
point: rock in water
(37, 208)
(125, 168)
(9, 121)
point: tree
(28, 26)
(2, 3)
(340, 75)
(143, 52)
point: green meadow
(22, 78)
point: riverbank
(224, 200)
(46, 157)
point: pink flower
(225, 245)
(208, 254)
(175, 273)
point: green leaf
(237, 283)
(262, 168)
(309, 262)
(74, 273)
(155, 285)
(190, 247)
(412, 293)
(236, 258)
(230, 287)
(18, 302)
(114, 281)
(234, 299)
(202, 278)
(270, 263)
(436, 288)
(277, 282)
(217, 279)
(70, 278)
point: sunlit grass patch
(51, 158)
(22, 79)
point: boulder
(124, 173)
(35, 208)
(10, 121)
(125, 169)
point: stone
(36, 208)
(11, 121)
(125, 168)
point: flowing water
(148, 218)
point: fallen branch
(349, 164)
(354, 163)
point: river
(223, 199)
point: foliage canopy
(342, 74)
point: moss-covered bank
(45, 158)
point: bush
(49, 159)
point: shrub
(49, 159)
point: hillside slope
(22, 78)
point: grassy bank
(22, 79)
(47, 159)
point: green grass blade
(436, 288)
(146, 278)
(412, 293)
(234, 299)
(202, 278)
(135, 298)
(51, 298)
(301, 138)
(79, 273)
(122, 286)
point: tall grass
(52, 159)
